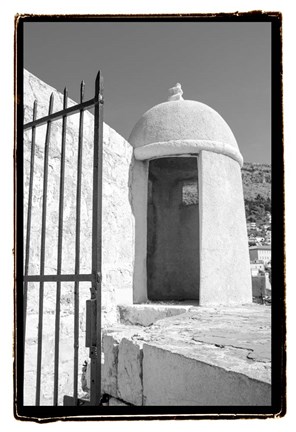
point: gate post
(95, 350)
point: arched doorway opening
(173, 230)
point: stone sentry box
(187, 200)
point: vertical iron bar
(59, 259)
(95, 351)
(77, 246)
(42, 254)
(29, 217)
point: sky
(226, 65)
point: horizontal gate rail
(95, 276)
(60, 114)
(59, 278)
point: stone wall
(117, 235)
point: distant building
(256, 267)
(260, 252)
(251, 225)
(268, 237)
(268, 215)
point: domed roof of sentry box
(181, 126)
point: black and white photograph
(150, 278)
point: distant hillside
(257, 191)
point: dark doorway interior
(173, 229)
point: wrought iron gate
(93, 307)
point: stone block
(146, 315)
(129, 378)
(170, 378)
(109, 367)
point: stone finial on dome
(175, 93)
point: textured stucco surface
(182, 126)
(181, 120)
(117, 234)
(138, 200)
(224, 266)
(183, 147)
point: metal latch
(91, 315)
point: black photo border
(87, 413)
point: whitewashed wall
(118, 238)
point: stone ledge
(147, 314)
(171, 378)
(220, 349)
(186, 146)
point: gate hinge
(90, 331)
(99, 277)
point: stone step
(147, 314)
